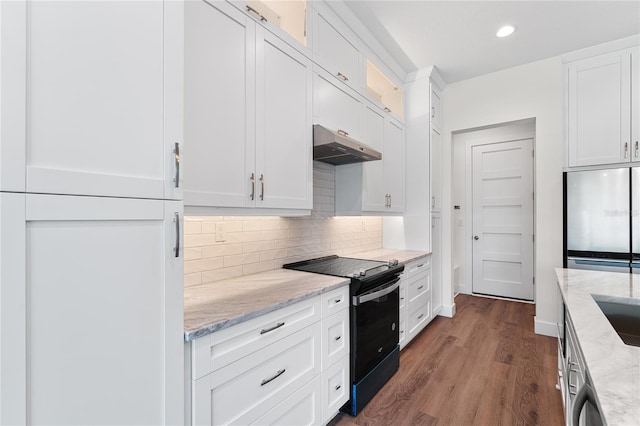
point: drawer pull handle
(337, 301)
(420, 316)
(342, 132)
(278, 374)
(266, 330)
(338, 338)
(420, 265)
(342, 76)
(338, 387)
(420, 288)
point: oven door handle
(358, 300)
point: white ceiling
(459, 36)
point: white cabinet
(92, 296)
(435, 116)
(600, 118)
(415, 299)
(436, 263)
(374, 186)
(336, 107)
(334, 52)
(635, 102)
(290, 366)
(435, 157)
(99, 111)
(252, 150)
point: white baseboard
(545, 328)
(436, 311)
(447, 311)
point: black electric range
(374, 320)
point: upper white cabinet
(435, 111)
(92, 310)
(335, 53)
(436, 169)
(384, 91)
(286, 18)
(602, 125)
(99, 111)
(335, 106)
(635, 102)
(247, 123)
(374, 186)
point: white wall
(533, 90)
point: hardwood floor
(485, 366)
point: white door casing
(502, 193)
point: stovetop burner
(344, 267)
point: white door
(284, 157)
(219, 105)
(598, 110)
(95, 91)
(393, 162)
(92, 310)
(503, 219)
(373, 185)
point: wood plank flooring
(485, 366)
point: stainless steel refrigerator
(602, 219)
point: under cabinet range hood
(338, 148)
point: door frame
(504, 132)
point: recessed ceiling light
(506, 31)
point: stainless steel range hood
(336, 148)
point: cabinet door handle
(176, 219)
(252, 179)
(176, 152)
(387, 109)
(389, 200)
(338, 387)
(342, 76)
(420, 288)
(342, 132)
(337, 301)
(266, 330)
(262, 18)
(636, 152)
(626, 150)
(262, 184)
(275, 376)
(433, 201)
(420, 316)
(338, 338)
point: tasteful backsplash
(221, 247)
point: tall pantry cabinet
(91, 293)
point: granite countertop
(216, 305)
(403, 256)
(213, 306)
(613, 366)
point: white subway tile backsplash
(258, 244)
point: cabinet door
(635, 103)
(599, 110)
(95, 293)
(436, 110)
(302, 408)
(436, 170)
(436, 263)
(219, 105)
(374, 190)
(393, 159)
(335, 53)
(283, 129)
(336, 108)
(99, 111)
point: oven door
(375, 326)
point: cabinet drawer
(304, 407)
(418, 286)
(335, 337)
(245, 390)
(335, 388)
(402, 338)
(228, 345)
(418, 266)
(335, 300)
(420, 315)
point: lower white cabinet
(415, 299)
(91, 299)
(290, 366)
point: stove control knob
(363, 272)
(393, 262)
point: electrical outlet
(220, 235)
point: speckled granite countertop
(403, 256)
(213, 306)
(613, 366)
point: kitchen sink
(624, 316)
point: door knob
(475, 237)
